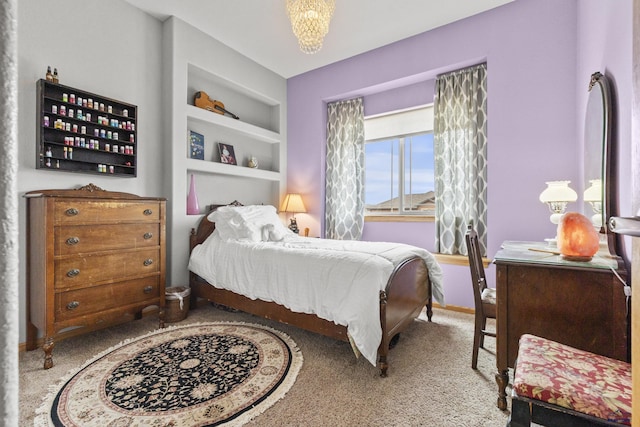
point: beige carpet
(430, 380)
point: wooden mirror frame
(600, 95)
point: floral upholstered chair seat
(575, 379)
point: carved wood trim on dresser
(95, 258)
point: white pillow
(255, 218)
(223, 213)
(228, 224)
(253, 223)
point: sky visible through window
(382, 167)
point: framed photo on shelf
(227, 155)
(196, 145)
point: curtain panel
(344, 186)
(460, 146)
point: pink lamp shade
(578, 240)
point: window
(399, 160)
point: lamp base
(576, 258)
(294, 226)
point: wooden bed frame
(407, 292)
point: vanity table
(581, 304)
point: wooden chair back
(485, 302)
(478, 277)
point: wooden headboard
(205, 227)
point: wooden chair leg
(484, 327)
(477, 334)
(520, 414)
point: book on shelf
(196, 145)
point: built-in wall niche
(244, 145)
(218, 189)
(258, 96)
(251, 107)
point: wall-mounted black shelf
(79, 131)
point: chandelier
(310, 22)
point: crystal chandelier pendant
(310, 22)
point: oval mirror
(599, 180)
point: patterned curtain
(460, 145)
(344, 211)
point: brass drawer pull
(147, 236)
(73, 241)
(148, 262)
(148, 289)
(147, 212)
(72, 212)
(73, 305)
(73, 273)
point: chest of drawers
(95, 258)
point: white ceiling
(260, 29)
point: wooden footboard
(407, 292)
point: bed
(242, 257)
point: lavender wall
(400, 98)
(530, 47)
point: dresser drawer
(104, 211)
(73, 239)
(83, 270)
(81, 302)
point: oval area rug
(203, 374)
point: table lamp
(557, 195)
(593, 195)
(292, 203)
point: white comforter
(337, 280)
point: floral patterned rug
(205, 374)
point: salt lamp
(578, 239)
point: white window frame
(399, 125)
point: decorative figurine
(294, 226)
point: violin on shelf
(202, 100)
